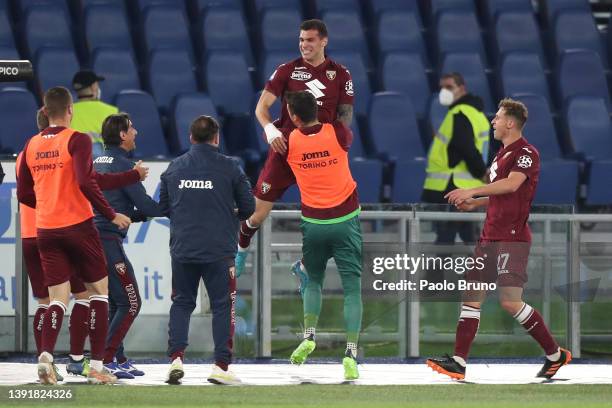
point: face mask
(446, 97)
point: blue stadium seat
(472, 69)
(143, 111)
(166, 26)
(170, 72)
(393, 127)
(599, 191)
(37, 34)
(408, 179)
(106, 26)
(346, 33)
(216, 35)
(322, 6)
(577, 29)
(196, 7)
(588, 126)
(231, 90)
(580, 72)
(458, 31)
(376, 7)
(368, 175)
(398, 30)
(279, 29)
(291, 196)
(540, 129)
(357, 150)
(558, 182)
(551, 8)
(55, 67)
(353, 61)
(518, 31)
(439, 6)
(494, 7)
(403, 72)
(271, 4)
(18, 117)
(22, 6)
(6, 33)
(436, 113)
(271, 61)
(144, 4)
(523, 73)
(10, 53)
(118, 68)
(185, 109)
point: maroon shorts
(274, 179)
(34, 269)
(504, 263)
(74, 250)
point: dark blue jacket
(132, 200)
(200, 192)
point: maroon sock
(532, 321)
(178, 354)
(98, 325)
(39, 318)
(222, 365)
(469, 319)
(79, 329)
(246, 234)
(52, 324)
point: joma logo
(315, 155)
(200, 184)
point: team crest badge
(121, 268)
(331, 75)
(265, 187)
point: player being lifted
(504, 243)
(332, 86)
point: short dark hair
(315, 24)
(516, 109)
(455, 76)
(112, 127)
(203, 129)
(42, 121)
(303, 104)
(57, 100)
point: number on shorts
(502, 260)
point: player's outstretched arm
(473, 203)
(504, 186)
(262, 112)
(345, 114)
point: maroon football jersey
(507, 214)
(330, 83)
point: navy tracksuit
(124, 297)
(200, 192)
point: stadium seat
(540, 129)
(38, 19)
(231, 90)
(393, 127)
(170, 72)
(18, 117)
(436, 113)
(458, 31)
(599, 191)
(22, 6)
(196, 7)
(558, 182)
(398, 30)
(107, 26)
(215, 34)
(118, 68)
(166, 26)
(551, 8)
(403, 72)
(408, 179)
(588, 126)
(577, 29)
(518, 31)
(271, 61)
(580, 72)
(357, 150)
(279, 29)
(439, 6)
(260, 5)
(143, 112)
(144, 4)
(322, 6)
(55, 67)
(470, 66)
(523, 73)
(346, 33)
(376, 7)
(184, 110)
(353, 61)
(6, 33)
(494, 7)
(368, 175)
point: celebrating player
(504, 243)
(332, 86)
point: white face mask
(446, 97)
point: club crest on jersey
(524, 162)
(301, 75)
(265, 187)
(331, 75)
(121, 268)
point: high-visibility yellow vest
(88, 117)
(438, 171)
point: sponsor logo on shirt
(348, 87)
(47, 155)
(301, 75)
(104, 159)
(315, 155)
(331, 75)
(265, 187)
(196, 184)
(524, 162)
